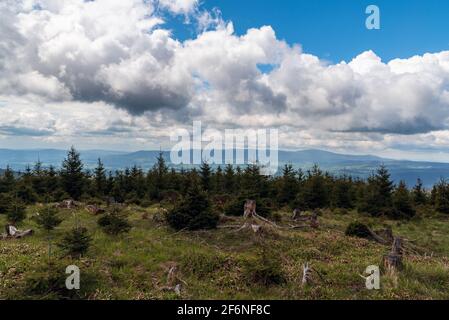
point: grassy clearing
(223, 264)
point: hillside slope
(225, 264)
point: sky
(335, 29)
(124, 75)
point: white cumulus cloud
(116, 59)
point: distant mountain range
(354, 165)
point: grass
(223, 264)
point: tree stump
(306, 274)
(314, 220)
(397, 246)
(393, 261)
(296, 214)
(249, 209)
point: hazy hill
(355, 165)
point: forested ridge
(297, 189)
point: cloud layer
(114, 69)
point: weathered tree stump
(296, 214)
(253, 221)
(306, 274)
(249, 209)
(397, 246)
(393, 260)
(314, 220)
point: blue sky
(335, 29)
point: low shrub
(48, 281)
(114, 223)
(47, 218)
(358, 229)
(5, 202)
(266, 269)
(194, 212)
(76, 242)
(16, 212)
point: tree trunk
(249, 209)
(393, 261)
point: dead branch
(307, 274)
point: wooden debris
(310, 221)
(296, 214)
(13, 233)
(256, 228)
(177, 289)
(307, 275)
(258, 224)
(67, 204)
(95, 210)
(377, 238)
(173, 282)
(253, 221)
(386, 235)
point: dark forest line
(228, 187)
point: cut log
(13, 233)
(386, 234)
(22, 234)
(377, 238)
